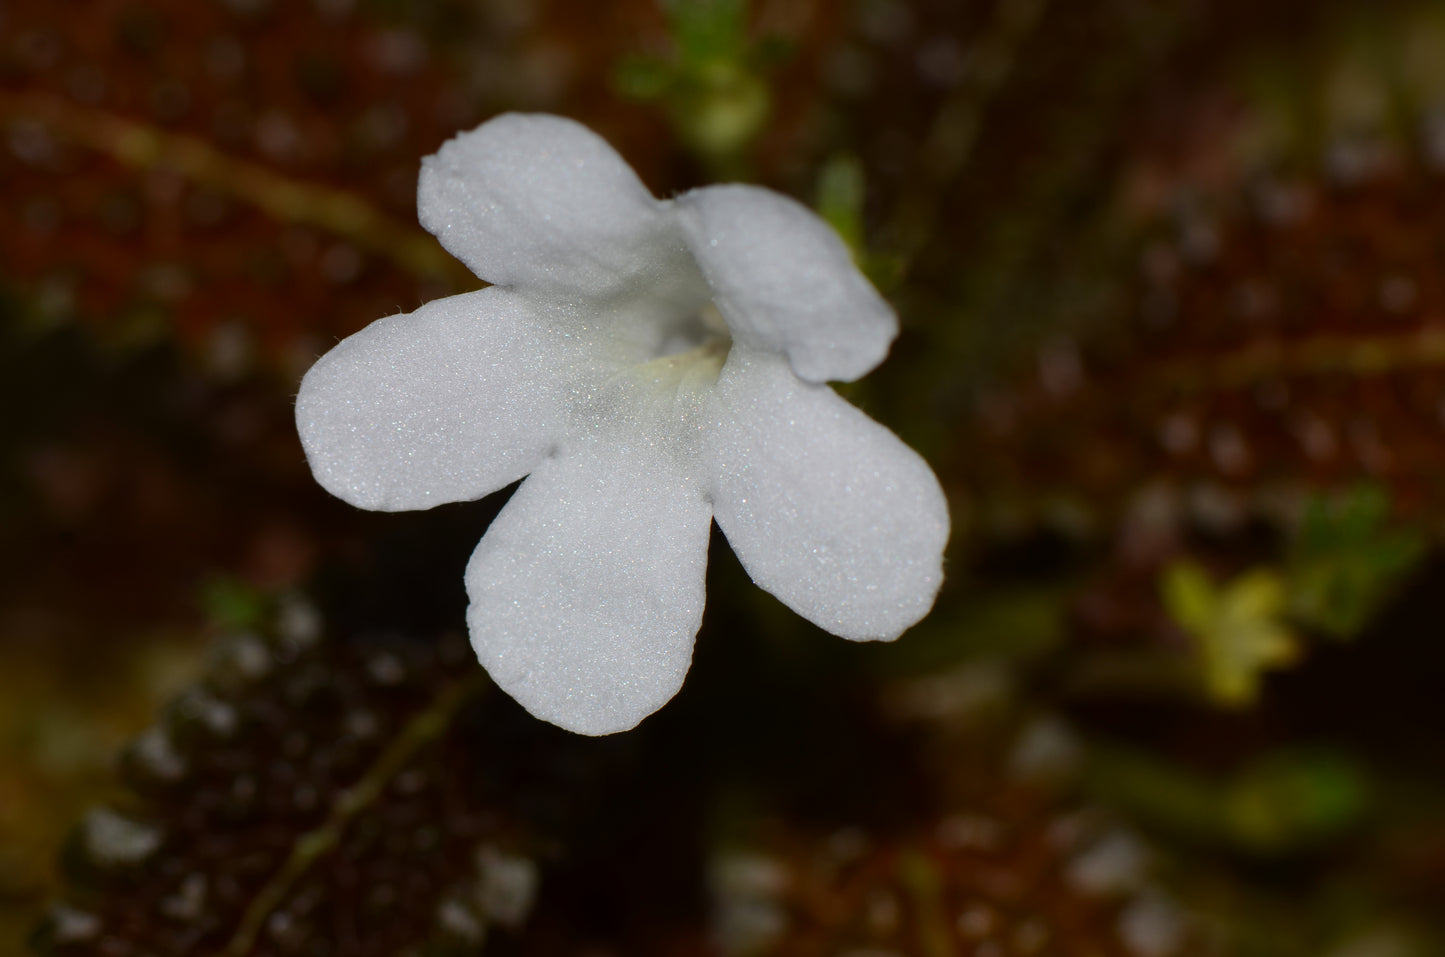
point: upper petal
(543, 202)
(824, 507)
(587, 591)
(446, 404)
(785, 282)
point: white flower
(650, 365)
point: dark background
(1170, 282)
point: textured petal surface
(587, 591)
(446, 404)
(542, 202)
(785, 282)
(826, 509)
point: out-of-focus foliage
(1238, 627)
(360, 796)
(840, 200)
(1169, 280)
(1282, 802)
(1344, 561)
(711, 81)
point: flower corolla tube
(649, 366)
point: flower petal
(542, 202)
(444, 404)
(824, 507)
(587, 591)
(785, 282)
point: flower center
(687, 359)
(705, 328)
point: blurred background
(1174, 340)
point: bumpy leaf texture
(1289, 342)
(349, 795)
(1011, 860)
(238, 175)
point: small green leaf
(840, 199)
(1239, 629)
(711, 82)
(1346, 560)
(719, 107)
(1282, 802)
(643, 78)
(1293, 799)
(230, 603)
(1190, 596)
(707, 29)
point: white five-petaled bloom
(650, 365)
